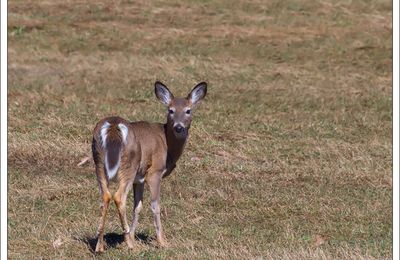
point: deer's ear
(163, 93)
(198, 93)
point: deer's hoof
(99, 248)
(128, 240)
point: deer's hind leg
(105, 197)
(126, 177)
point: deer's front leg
(155, 187)
(138, 197)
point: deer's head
(180, 110)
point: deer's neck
(175, 145)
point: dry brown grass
(289, 156)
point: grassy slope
(289, 156)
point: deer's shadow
(113, 239)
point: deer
(135, 153)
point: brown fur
(149, 154)
(113, 145)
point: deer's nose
(179, 128)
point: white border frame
(3, 128)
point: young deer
(136, 152)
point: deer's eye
(188, 111)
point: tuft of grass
(289, 156)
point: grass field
(289, 155)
